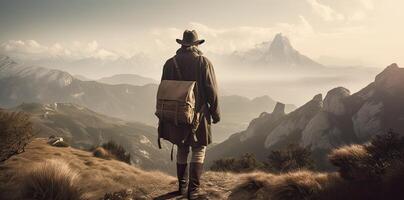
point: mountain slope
(322, 124)
(84, 128)
(22, 83)
(237, 111)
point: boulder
(334, 101)
(367, 121)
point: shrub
(15, 133)
(100, 152)
(371, 160)
(112, 150)
(288, 186)
(384, 150)
(51, 179)
(351, 161)
(246, 163)
(292, 158)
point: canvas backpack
(176, 100)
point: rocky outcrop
(279, 109)
(334, 101)
(390, 79)
(264, 118)
(295, 122)
(367, 121)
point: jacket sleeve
(211, 91)
(164, 75)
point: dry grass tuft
(100, 152)
(50, 179)
(288, 186)
(351, 161)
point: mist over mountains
(131, 79)
(278, 69)
(275, 68)
(20, 83)
(26, 83)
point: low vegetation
(246, 163)
(15, 133)
(112, 150)
(372, 171)
(292, 158)
(289, 159)
(51, 179)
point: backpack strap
(177, 68)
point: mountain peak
(280, 42)
(280, 47)
(390, 77)
(281, 52)
(279, 109)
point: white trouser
(198, 154)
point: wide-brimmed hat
(190, 38)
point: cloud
(367, 4)
(33, 50)
(226, 40)
(325, 11)
(361, 13)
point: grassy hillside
(83, 128)
(373, 171)
(96, 176)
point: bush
(246, 163)
(15, 133)
(287, 186)
(292, 158)
(112, 150)
(369, 161)
(100, 152)
(51, 179)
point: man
(193, 67)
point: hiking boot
(195, 172)
(182, 176)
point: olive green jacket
(190, 60)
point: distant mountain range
(84, 128)
(131, 79)
(24, 83)
(33, 84)
(322, 124)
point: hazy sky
(350, 32)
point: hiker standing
(187, 104)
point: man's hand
(215, 120)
